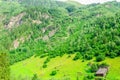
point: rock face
(36, 21)
(15, 21)
(45, 16)
(43, 30)
(45, 38)
(17, 42)
(51, 33)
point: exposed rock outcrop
(17, 42)
(15, 21)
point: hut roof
(102, 71)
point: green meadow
(67, 69)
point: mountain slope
(43, 28)
(52, 28)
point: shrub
(94, 67)
(12, 52)
(44, 65)
(100, 58)
(47, 60)
(53, 73)
(88, 57)
(71, 8)
(77, 56)
(43, 55)
(99, 78)
(103, 65)
(113, 55)
(35, 77)
(96, 54)
(89, 77)
(69, 56)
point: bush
(77, 56)
(35, 77)
(44, 65)
(103, 65)
(100, 58)
(99, 78)
(53, 73)
(113, 55)
(71, 8)
(43, 55)
(69, 56)
(94, 67)
(47, 60)
(88, 57)
(89, 77)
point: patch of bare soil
(36, 21)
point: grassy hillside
(65, 66)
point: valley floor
(67, 69)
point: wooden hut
(102, 72)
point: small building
(102, 72)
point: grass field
(67, 69)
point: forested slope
(52, 28)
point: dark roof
(102, 71)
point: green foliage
(52, 28)
(89, 77)
(100, 58)
(47, 60)
(94, 67)
(88, 56)
(113, 54)
(87, 31)
(56, 12)
(53, 73)
(35, 77)
(103, 65)
(10, 8)
(77, 56)
(4, 66)
(71, 8)
(44, 65)
(46, 3)
(99, 78)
